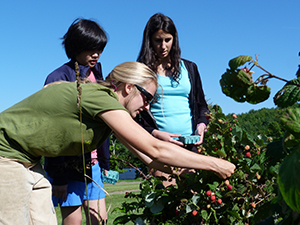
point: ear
(128, 88)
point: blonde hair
(131, 73)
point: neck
(121, 95)
(165, 70)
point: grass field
(114, 199)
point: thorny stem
(257, 187)
(263, 199)
(87, 176)
(134, 167)
(270, 75)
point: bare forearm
(176, 156)
(135, 137)
(147, 160)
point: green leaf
(122, 220)
(257, 94)
(149, 200)
(289, 94)
(213, 186)
(157, 207)
(289, 180)
(139, 221)
(235, 84)
(239, 61)
(190, 207)
(291, 121)
(204, 214)
(238, 132)
(221, 153)
(195, 199)
(255, 167)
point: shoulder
(64, 72)
(96, 98)
(188, 63)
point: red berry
(213, 198)
(219, 201)
(246, 69)
(257, 153)
(208, 193)
(234, 116)
(229, 187)
(215, 148)
(194, 212)
(230, 129)
(208, 117)
(177, 213)
(253, 205)
(248, 154)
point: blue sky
(210, 34)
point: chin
(133, 115)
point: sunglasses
(149, 98)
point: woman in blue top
(182, 108)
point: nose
(147, 106)
(96, 54)
(163, 44)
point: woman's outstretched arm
(135, 138)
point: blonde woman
(48, 123)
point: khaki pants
(25, 194)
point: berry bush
(265, 186)
(202, 197)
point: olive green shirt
(47, 123)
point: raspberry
(226, 182)
(213, 198)
(194, 213)
(219, 201)
(234, 116)
(208, 193)
(229, 187)
(248, 154)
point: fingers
(60, 191)
(176, 142)
(227, 170)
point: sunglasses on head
(149, 98)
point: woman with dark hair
(84, 42)
(68, 118)
(182, 108)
